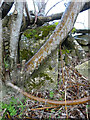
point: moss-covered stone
(33, 39)
(40, 32)
(45, 77)
(26, 54)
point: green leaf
(87, 106)
(63, 51)
(67, 51)
(51, 94)
(4, 106)
(52, 111)
(61, 99)
(13, 112)
(73, 30)
(56, 23)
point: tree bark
(0, 44)
(6, 6)
(58, 36)
(27, 11)
(15, 30)
(86, 6)
(0, 57)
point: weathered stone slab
(46, 75)
(83, 39)
(84, 69)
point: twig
(66, 99)
(62, 65)
(53, 7)
(56, 113)
(3, 111)
(34, 7)
(43, 108)
(87, 112)
(74, 70)
(64, 81)
(27, 11)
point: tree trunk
(58, 36)
(0, 57)
(15, 31)
(6, 6)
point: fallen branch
(53, 102)
(42, 19)
(82, 31)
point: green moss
(35, 39)
(26, 54)
(56, 23)
(40, 32)
(46, 76)
(42, 74)
(50, 68)
(73, 30)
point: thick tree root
(53, 102)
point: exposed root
(53, 102)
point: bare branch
(34, 7)
(53, 6)
(82, 31)
(27, 11)
(46, 2)
(42, 19)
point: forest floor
(75, 87)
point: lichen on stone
(33, 39)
